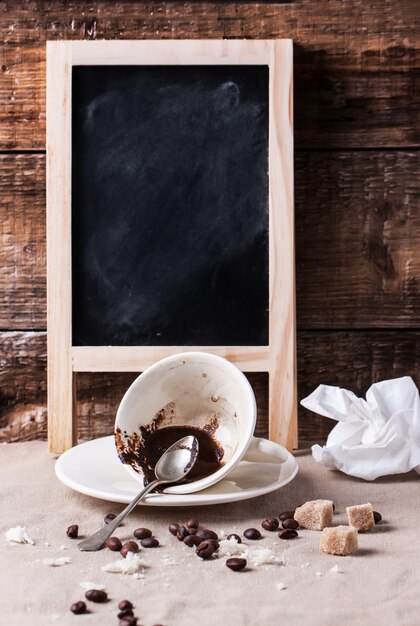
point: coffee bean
(236, 564)
(377, 517)
(290, 523)
(142, 533)
(173, 528)
(287, 533)
(235, 537)
(96, 595)
(73, 531)
(114, 544)
(78, 607)
(109, 517)
(125, 604)
(130, 620)
(252, 533)
(205, 549)
(182, 532)
(193, 523)
(149, 542)
(271, 523)
(207, 534)
(192, 540)
(215, 543)
(129, 546)
(125, 613)
(192, 531)
(286, 515)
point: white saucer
(93, 468)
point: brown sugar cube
(361, 516)
(315, 514)
(341, 540)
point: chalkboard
(170, 215)
(170, 222)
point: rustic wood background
(356, 182)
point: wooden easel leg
(62, 417)
(282, 410)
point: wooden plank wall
(356, 187)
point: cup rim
(249, 427)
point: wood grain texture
(353, 360)
(355, 62)
(357, 237)
(282, 391)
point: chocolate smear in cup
(143, 450)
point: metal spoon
(172, 467)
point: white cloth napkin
(374, 437)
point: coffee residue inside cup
(144, 451)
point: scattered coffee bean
(207, 534)
(377, 517)
(129, 546)
(287, 533)
(215, 543)
(271, 523)
(73, 531)
(125, 604)
(192, 540)
(78, 607)
(290, 523)
(205, 549)
(173, 528)
(125, 613)
(114, 544)
(149, 542)
(286, 515)
(193, 523)
(192, 531)
(142, 533)
(252, 533)
(96, 595)
(236, 564)
(109, 517)
(235, 537)
(182, 532)
(130, 620)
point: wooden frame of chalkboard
(65, 359)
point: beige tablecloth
(378, 585)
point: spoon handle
(97, 540)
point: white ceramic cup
(198, 385)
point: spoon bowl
(177, 461)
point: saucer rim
(198, 498)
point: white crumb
(18, 534)
(318, 573)
(132, 564)
(63, 547)
(86, 584)
(222, 533)
(168, 560)
(280, 586)
(61, 560)
(336, 569)
(230, 547)
(48, 544)
(264, 556)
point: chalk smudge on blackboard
(170, 205)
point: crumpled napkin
(374, 437)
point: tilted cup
(190, 389)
